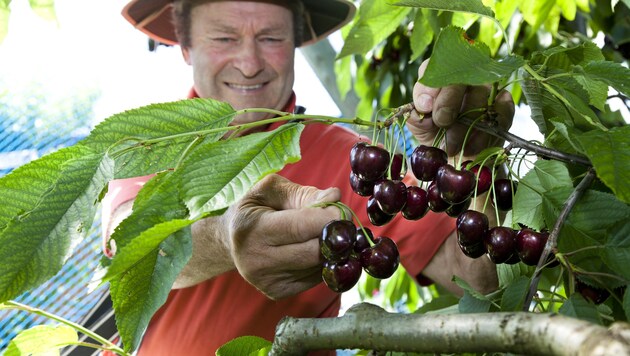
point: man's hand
(441, 106)
(275, 233)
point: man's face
(242, 53)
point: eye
(223, 39)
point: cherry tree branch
(369, 327)
(552, 241)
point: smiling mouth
(245, 87)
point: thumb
(280, 193)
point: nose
(248, 59)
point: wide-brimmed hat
(323, 17)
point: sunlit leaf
(41, 339)
(472, 66)
(472, 6)
(44, 9)
(244, 345)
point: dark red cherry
(362, 187)
(417, 204)
(436, 203)
(454, 185)
(376, 215)
(455, 209)
(504, 189)
(530, 245)
(382, 259)
(341, 276)
(337, 239)
(397, 167)
(473, 251)
(369, 162)
(391, 195)
(591, 293)
(472, 227)
(500, 243)
(425, 161)
(365, 238)
(484, 178)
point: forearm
(211, 253)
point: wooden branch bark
(369, 327)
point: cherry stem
(552, 241)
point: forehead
(239, 14)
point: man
(260, 260)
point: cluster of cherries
(347, 250)
(377, 176)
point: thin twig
(552, 241)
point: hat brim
(153, 17)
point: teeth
(245, 87)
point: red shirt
(199, 319)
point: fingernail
(444, 117)
(425, 102)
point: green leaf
(34, 246)
(536, 12)
(472, 66)
(22, 189)
(44, 9)
(171, 126)
(514, 295)
(343, 71)
(421, 35)
(616, 253)
(437, 304)
(609, 151)
(626, 303)
(508, 273)
(146, 278)
(467, 288)
(375, 22)
(472, 6)
(578, 307)
(471, 304)
(5, 13)
(138, 293)
(611, 73)
(244, 345)
(235, 166)
(41, 339)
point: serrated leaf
(471, 304)
(467, 288)
(508, 273)
(609, 151)
(611, 73)
(21, 190)
(139, 292)
(34, 246)
(578, 307)
(243, 345)
(471, 6)
(235, 166)
(616, 253)
(472, 66)
(514, 295)
(534, 94)
(376, 21)
(552, 174)
(41, 339)
(171, 126)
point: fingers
(280, 193)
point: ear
(186, 54)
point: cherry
(530, 245)
(473, 251)
(455, 209)
(484, 178)
(382, 259)
(364, 239)
(396, 167)
(337, 239)
(376, 215)
(360, 186)
(417, 204)
(391, 195)
(425, 161)
(454, 185)
(504, 189)
(594, 294)
(341, 276)
(436, 203)
(369, 162)
(500, 243)
(472, 228)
